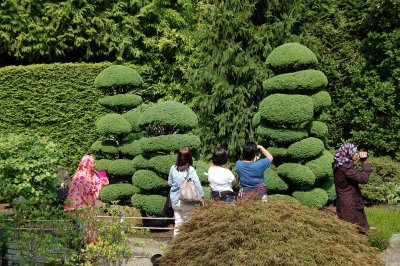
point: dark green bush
(140, 162)
(316, 198)
(103, 164)
(133, 116)
(121, 101)
(297, 174)
(169, 143)
(121, 167)
(162, 163)
(283, 109)
(282, 135)
(321, 100)
(201, 168)
(318, 129)
(291, 56)
(104, 146)
(322, 166)
(172, 114)
(277, 197)
(329, 186)
(117, 192)
(306, 149)
(256, 120)
(278, 152)
(273, 182)
(118, 76)
(113, 124)
(130, 147)
(148, 180)
(301, 82)
(150, 204)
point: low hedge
(278, 197)
(121, 167)
(162, 163)
(169, 143)
(130, 147)
(116, 76)
(282, 135)
(316, 198)
(306, 149)
(117, 192)
(150, 204)
(140, 162)
(103, 164)
(104, 146)
(147, 180)
(301, 82)
(321, 100)
(322, 166)
(318, 129)
(283, 109)
(113, 124)
(169, 113)
(297, 174)
(121, 101)
(274, 182)
(291, 56)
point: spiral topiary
(287, 122)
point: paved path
(391, 256)
(144, 250)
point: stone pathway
(391, 255)
(144, 250)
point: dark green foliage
(148, 181)
(256, 120)
(299, 175)
(277, 152)
(133, 116)
(278, 197)
(150, 204)
(103, 164)
(291, 56)
(104, 146)
(283, 109)
(207, 192)
(170, 114)
(140, 162)
(162, 164)
(306, 149)
(273, 182)
(117, 76)
(303, 82)
(58, 101)
(121, 167)
(321, 100)
(318, 129)
(329, 186)
(322, 166)
(169, 143)
(117, 192)
(281, 135)
(113, 124)
(121, 102)
(231, 41)
(201, 168)
(130, 147)
(316, 198)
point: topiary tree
(289, 122)
(168, 125)
(119, 142)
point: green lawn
(385, 220)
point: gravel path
(391, 256)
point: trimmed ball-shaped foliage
(318, 129)
(202, 168)
(329, 186)
(282, 135)
(124, 101)
(104, 146)
(113, 124)
(297, 174)
(274, 182)
(130, 147)
(278, 233)
(256, 119)
(277, 152)
(117, 192)
(321, 100)
(121, 167)
(140, 162)
(103, 164)
(280, 197)
(302, 82)
(306, 149)
(316, 198)
(150, 204)
(169, 113)
(148, 180)
(291, 56)
(169, 143)
(322, 166)
(162, 164)
(133, 116)
(283, 109)
(118, 75)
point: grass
(385, 220)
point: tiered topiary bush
(119, 142)
(288, 123)
(168, 125)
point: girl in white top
(220, 178)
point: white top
(220, 178)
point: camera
(363, 155)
